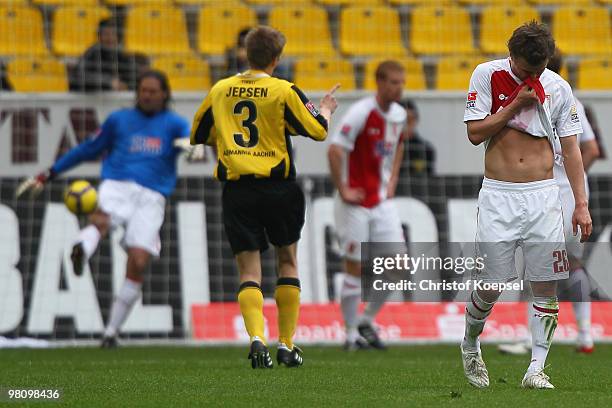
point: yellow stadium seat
(75, 28)
(421, 2)
(491, 2)
(595, 73)
(218, 27)
(351, 2)
(156, 30)
(37, 75)
(323, 73)
(415, 78)
(559, 2)
(277, 2)
(138, 2)
(66, 2)
(440, 30)
(207, 2)
(371, 31)
(305, 28)
(582, 30)
(454, 73)
(499, 22)
(187, 73)
(21, 31)
(13, 3)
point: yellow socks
(287, 297)
(251, 302)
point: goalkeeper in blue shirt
(140, 147)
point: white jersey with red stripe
(493, 82)
(371, 137)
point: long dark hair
(162, 78)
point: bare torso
(518, 157)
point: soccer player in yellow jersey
(250, 118)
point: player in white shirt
(578, 277)
(516, 106)
(365, 154)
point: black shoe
(290, 358)
(260, 356)
(369, 333)
(359, 344)
(78, 258)
(109, 343)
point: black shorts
(258, 211)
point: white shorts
(575, 248)
(356, 224)
(139, 210)
(520, 214)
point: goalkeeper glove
(34, 184)
(194, 153)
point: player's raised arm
(304, 118)
(90, 149)
(328, 103)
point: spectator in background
(105, 67)
(420, 157)
(236, 59)
(5, 85)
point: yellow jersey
(249, 118)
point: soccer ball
(81, 197)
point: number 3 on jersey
(253, 132)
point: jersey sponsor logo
(312, 109)
(471, 100)
(346, 130)
(502, 97)
(384, 149)
(373, 131)
(146, 144)
(574, 114)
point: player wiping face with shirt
(518, 108)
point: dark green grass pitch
(416, 376)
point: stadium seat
(13, 3)
(454, 73)
(415, 78)
(294, 21)
(421, 2)
(595, 73)
(277, 2)
(75, 29)
(323, 73)
(441, 30)
(491, 2)
(582, 30)
(122, 3)
(370, 31)
(21, 31)
(187, 73)
(498, 23)
(156, 30)
(218, 27)
(207, 2)
(37, 75)
(66, 2)
(559, 2)
(350, 2)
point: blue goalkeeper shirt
(137, 148)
